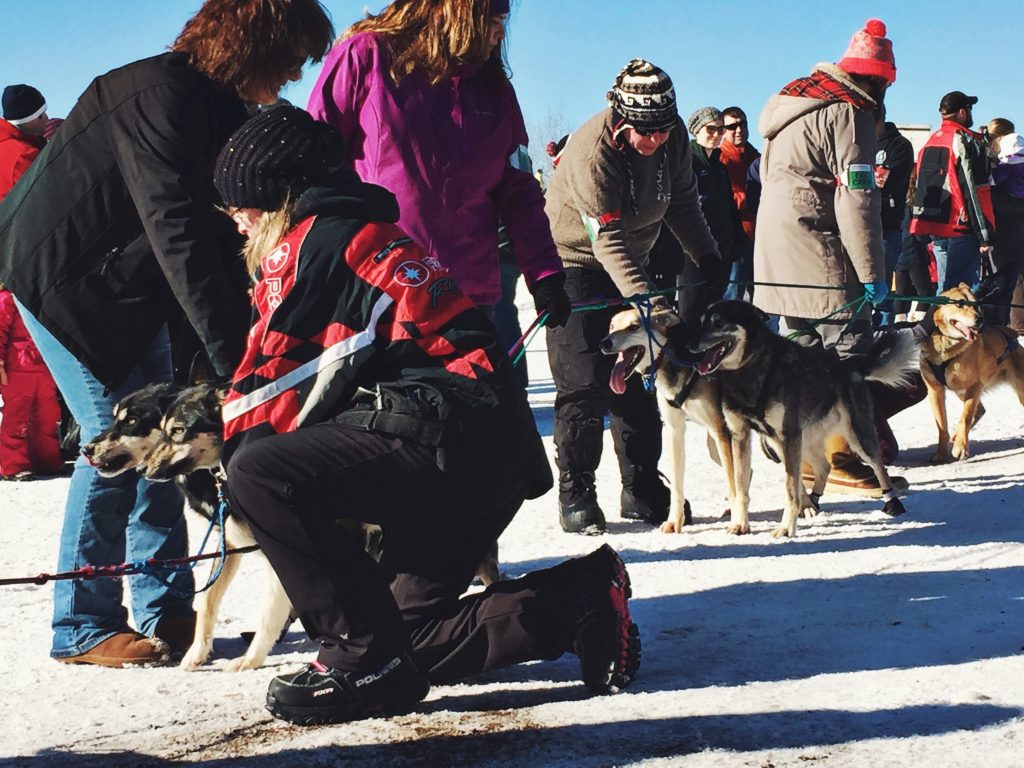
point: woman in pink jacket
(421, 96)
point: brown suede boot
(849, 476)
(125, 649)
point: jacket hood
(349, 197)
(781, 110)
(888, 131)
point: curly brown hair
(433, 37)
(247, 45)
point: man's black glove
(715, 271)
(549, 296)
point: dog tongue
(618, 378)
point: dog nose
(87, 450)
(606, 344)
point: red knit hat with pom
(870, 53)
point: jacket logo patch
(439, 288)
(276, 259)
(412, 274)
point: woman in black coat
(111, 233)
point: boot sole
(334, 715)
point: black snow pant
(292, 488)
(581, 372)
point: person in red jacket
(21, 132)
(31, 411)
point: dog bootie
(607, 640)
(578, 510)
(318, 695)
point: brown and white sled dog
(797, 397)
(967, 357)
(169, 432)
(681, 394)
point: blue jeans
(893, 242)
(110, 520)
(958, 260)
(741, 275)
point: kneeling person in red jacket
(372, 389)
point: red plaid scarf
(823, 86)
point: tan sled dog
(967, 358)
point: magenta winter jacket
(449, 153)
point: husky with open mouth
(796, 397)
(681, 394)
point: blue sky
(565, 53)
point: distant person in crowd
(21, 133)
(421, 431)
(953, 199)
(713, 185)
(421, 94)
(737, 154)
(819, 222)
(894, 163)
(624, 174)
(111, 231)
(29, 444)
(1008, 207)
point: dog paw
(738, 529)
(672, 526)
(939, 457)
(242, 663)
(194, 659)
(961, 452)
(783, 532)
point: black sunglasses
(714, 129)
(734, 126)
(650, 131)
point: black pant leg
(292, 488)
(581, 372)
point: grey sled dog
(796, 397)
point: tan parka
(812, 228)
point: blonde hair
(433, 37)
(268, 232)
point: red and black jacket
(356, 323)
(953, 195)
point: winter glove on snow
(549, 296)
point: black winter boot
(319, 694)
(645, 496)
(578, 510)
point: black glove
(549, 296)
(715, 270)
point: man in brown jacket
(819, 219)
(623, 174)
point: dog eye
(177, 431)
(131, 421)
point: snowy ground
(864, 641)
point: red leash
(90, 572)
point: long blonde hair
(270, 229)
(433, 37)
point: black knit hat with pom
(278, 153)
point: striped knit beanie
(643, 96)
(279, 152)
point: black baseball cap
(954, 101)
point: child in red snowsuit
(31, 411)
